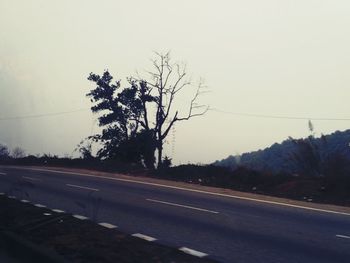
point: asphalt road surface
(227, 229)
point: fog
(272, 57)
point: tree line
(15, 153)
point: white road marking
(83, 187)
(2, 193)
(343, 236)
(193, 252)
(31, 178)
(144, 237)
(80, 217)
(12, 197)
(184, 206)
(107, 225)
(195, 191)
(24, 201)
(39, 205)
(57, 210)
(3, 173)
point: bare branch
(170, 70)
(191, 114)
(195, 115)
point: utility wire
(253, 115)
(277, 116)
(43, 115)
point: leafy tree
(307, 156)
(85, 150)
(123, 113)
(126, 113)
(4, 152)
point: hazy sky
(271, 57)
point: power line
(253, 115)
(43, 115)
(277, 116)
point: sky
(271, 57)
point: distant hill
(279, 157)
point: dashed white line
(343, 236)
(57, 210)
(12, 197)
(184, 206)
(24, 201)
(193, 252)
(107, 225)
(194, 191)
(83, 187)
(2, 193)
(3, 173)
(144, 237)
(80, 217)
(40, 205)
(31, 178)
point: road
(227, 229)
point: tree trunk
(160, 153)
(149, 159)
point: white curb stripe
(57, 210)
(343, 236)
(193, 252)
(144, 237)
(80, 217)
(107, 225)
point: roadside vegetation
(332, 188)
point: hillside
(280, 157)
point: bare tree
(167, 80)
(18, 152)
